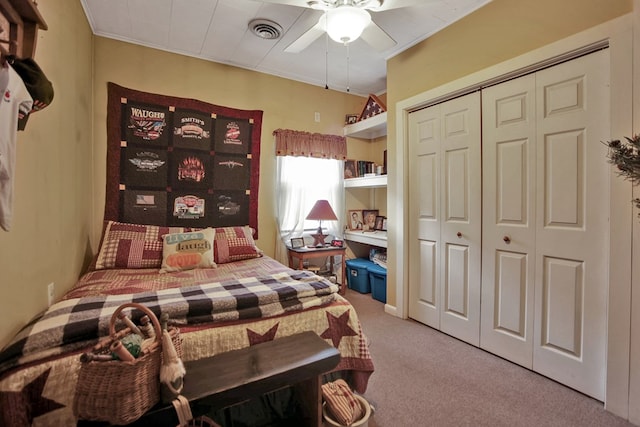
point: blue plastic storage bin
(358, 275)
(378, 282)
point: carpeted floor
(426, 378)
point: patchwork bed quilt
(38, 369)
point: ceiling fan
(346, 20)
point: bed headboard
(181, 162)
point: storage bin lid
(376, 269)
(359, 263)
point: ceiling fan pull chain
(326, 61)
(347, 45)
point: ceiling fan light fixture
(346, 23)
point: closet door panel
(572, 223)
(461, 225)
(424, 207)
(508, 247)
(428, 291)
(562, 294)
(456, 282)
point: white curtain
(300, 182)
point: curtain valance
(307, 144)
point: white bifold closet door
(545, 221)
(445, 210)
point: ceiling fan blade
(299, 3)
(396, 4)
(306, 39)
(377, 38)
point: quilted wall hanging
(180, 162)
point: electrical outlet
(51, 290)
(317, 117)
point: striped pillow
(341, 402)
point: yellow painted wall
(286, 104)
(49, 237)
(501, 30)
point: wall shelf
(370, 128)
(377, 181)
(374, 238)
(19, 24)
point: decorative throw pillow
(132, 245)
(341, 402)
(185, 251)
(234, 244)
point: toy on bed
(227, 297)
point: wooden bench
(236, 376)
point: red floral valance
(298, 143)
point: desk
(306, 253)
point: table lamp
(321, 211)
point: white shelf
(366, 182)
(371, 128)
(374, 238)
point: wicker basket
(116, 391)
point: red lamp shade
(321, 211)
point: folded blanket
(78, 323)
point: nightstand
(306, 253)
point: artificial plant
(626, 156)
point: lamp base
(318, 239)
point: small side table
(305, 253)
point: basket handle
(145, 310)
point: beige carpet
(426, 378)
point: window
(300, 182)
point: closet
(542, 282)
(445, 204)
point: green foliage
(626, 156)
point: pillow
(186, 251)
(126, 245)
(234, 244)
(341, 402)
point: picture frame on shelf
(350, 170)
(381, 223)
(369, 219)
(337, 243)
(297, 242)
(355, 220)
(350, 119)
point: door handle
(507, 239)
(459, 234)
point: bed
(236, 298)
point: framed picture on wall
(369, 219)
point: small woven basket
(117, 391)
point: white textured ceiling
(217, 30)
